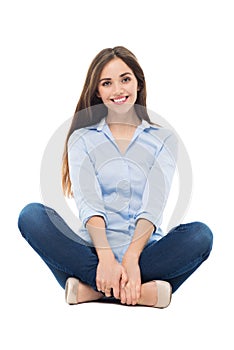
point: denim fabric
(173, 258)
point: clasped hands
(123, 279)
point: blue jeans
(174, 258)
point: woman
(118, 165)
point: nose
(117, 89)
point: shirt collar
(144, 125)
(101, 124)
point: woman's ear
(97, 94)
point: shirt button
(123, 184)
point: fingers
(108, 292)
(116, 291)
(107, 288)
(123, 298)
(108, 278)
(127, 292)
(130, 294)
(100, 285)
(124, 278)
(104, 287)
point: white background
(186, 51)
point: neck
(125, 118)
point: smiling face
(118, 86)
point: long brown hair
(83, 114)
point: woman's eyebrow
(104, 79)
(121, 75)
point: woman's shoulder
(161, 132)
(79, 133)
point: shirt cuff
(145, 215)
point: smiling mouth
(119, 100)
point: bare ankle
(87, 293)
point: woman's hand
(110, 274)
(131, 293)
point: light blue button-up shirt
(121, 188)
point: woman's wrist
(143, 231)
(105, 254)
(131, 255)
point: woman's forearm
(97, 230)
(143, 231)
(109, 271)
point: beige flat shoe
(71, 291)
(164, 291)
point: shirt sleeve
(85, 186)
(158, 182)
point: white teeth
(119, 100)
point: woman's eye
(125, 80)
(106, 83)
